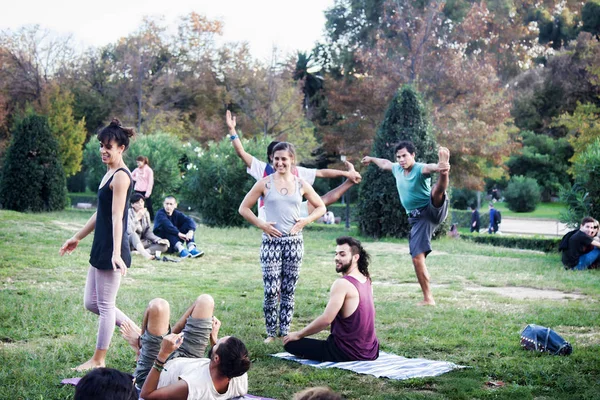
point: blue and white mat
(387, 366)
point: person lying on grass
(171, 363)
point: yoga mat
(387, 365)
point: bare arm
(71, 244)
(176, 391)
(336, 301)
(316, 202)
(249, 201)
(119, 185)
(236, 142)
(336, 173)
(382, 163)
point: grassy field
(44, 329)
(542, 211)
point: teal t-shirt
(415, 188)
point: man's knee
(418, 259)
(203, 306)
(158, 306)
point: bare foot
(426, 303)
(354, 176)
(131, 333)
(89, 364)
(269, 339)
(443, 155)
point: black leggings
(320, 350)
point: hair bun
(115, 122)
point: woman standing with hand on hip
(282, 245)
(144, 182)
(110, 256)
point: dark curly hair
(356, 248)
(234, 357)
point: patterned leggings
(280, 260)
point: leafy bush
(462, 199)
(586, 173)
(544, 159)
(216, 181)
(379, 210)
(547, 245)
(168, 158)
(32, 175)
(522, 194)
(577, 202)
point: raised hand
(231, 124)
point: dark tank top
(102, 247)
(355, 334)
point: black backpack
(564, 242)
(498, 217)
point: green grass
(542, 211)
(44, 329)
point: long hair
(356, 248)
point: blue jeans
(587, 259)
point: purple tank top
(355, 335)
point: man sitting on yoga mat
(350, 312)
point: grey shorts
(195, 340)
(423, 223)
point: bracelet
(160, 362)
(158, 367)
(233, 137)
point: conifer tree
(380, 212)
(32, 175)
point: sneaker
(194, 252)
(184, 253)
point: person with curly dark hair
(350, 312)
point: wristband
(233, 137)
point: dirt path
(533, 227)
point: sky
(261, 23)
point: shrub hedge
(520, 242)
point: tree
(584, 195)
(32, 176)
(68, 133)
(590, 16)
(269, 103)
(583, 126)
(544, 159)
(379, 210)
(216, 181)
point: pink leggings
(100, 296)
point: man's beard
(343, 268)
